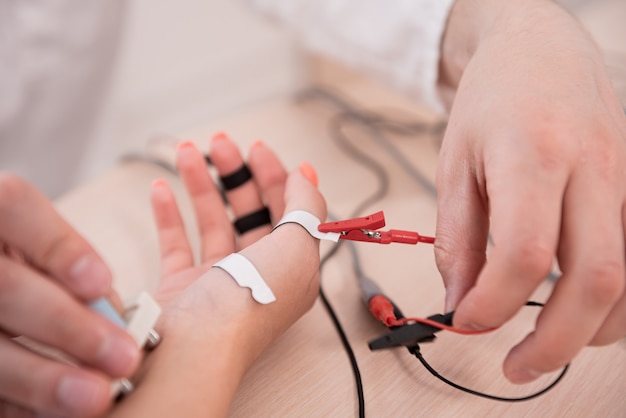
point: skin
(48, 271)
(204, 311)
(212, 329)
(535, 153)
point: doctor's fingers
(462, 225)
(591, 256)
(10, 409)
(39, 309)
(31, 382)
(614, 327)
(31, 227)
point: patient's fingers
(270, 176)
(175, 250)
(247, 193)
(245, 199)
(301, 192)
(288, 259)
(217, 238)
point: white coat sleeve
(396, 41)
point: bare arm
(212, 329)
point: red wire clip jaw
(365, 229)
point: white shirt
(56, 58)
(55, 62)
(397, 41)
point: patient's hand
(270, 186)
(212, 329)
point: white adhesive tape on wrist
(246, 275)
(309, 222)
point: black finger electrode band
(253, 220)
(236, 179)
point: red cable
(383, 310)
(404, 321)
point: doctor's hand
(535, 153)
(47, 274)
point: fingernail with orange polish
(309, 172)
(159, 183)
(185, 145)
(219, 136)
(159, 188)
(257, 143)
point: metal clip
(138, 319)
(365, 229)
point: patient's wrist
(214, 331)
(188, 375)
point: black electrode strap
(253, 220)
(237, 178)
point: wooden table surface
(306, 373)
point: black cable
(415, 350)
(358, 381)
(335, 130)
(375, 125)
(336, 126)
(146, 158)
(349, 352)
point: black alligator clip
(411, 335)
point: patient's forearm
(213, 334)
(193, 372)
(190, 379)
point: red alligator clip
(364, 229)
